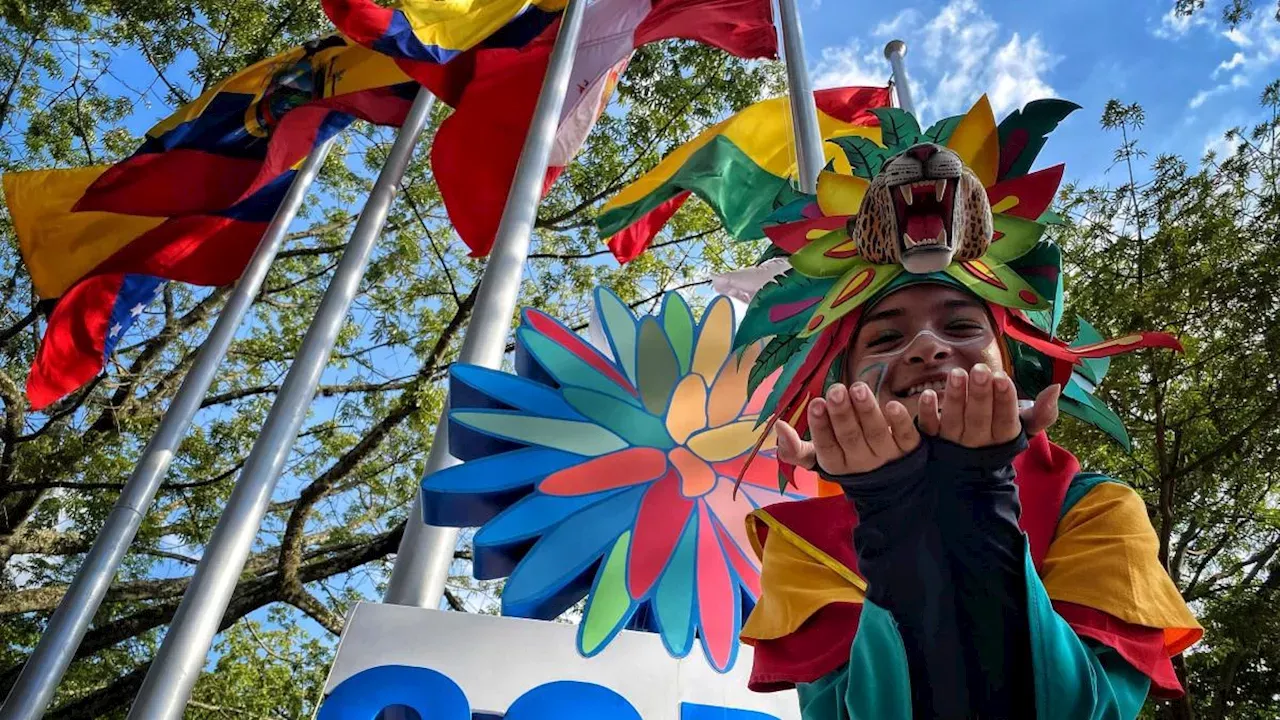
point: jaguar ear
(973, 222)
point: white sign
(435, 662)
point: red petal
(715, 597)
(571, 341)
(607, 472)
(1034, 192)
(748, 573)
(664, 511)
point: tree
(1234, 12)
(75, 79)
(1194, 252)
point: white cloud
(1258, 43)
(962, 53)
(850, 65)
(1173, 26)
(906, 20)
(1237, 81)
(1236, 61)
(1237, 36)
(963, 44)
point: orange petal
(729, 392)
(696, 476)
(687, 413)
(620, 469)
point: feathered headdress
(957, 204)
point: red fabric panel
(739, 27)
(821, 646)
(1142, 647)
(70, 353)
(630, 242)
(852, 104)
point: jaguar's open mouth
(925, 209)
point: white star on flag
(136, 310)
(115, 330)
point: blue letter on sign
(691, 711)
(568, 700)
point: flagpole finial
(894, 52)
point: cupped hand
(980, 409)
(850, 433)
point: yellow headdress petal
(977, 141)
(840, 194)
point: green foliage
(940, 132)
(1024, 132)
(1191, 250)
(899, 128)
(865, 156)
(77, 81)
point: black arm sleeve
(901, 555)
(978, 514)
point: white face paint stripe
(966, 342)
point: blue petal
(468, 495)
(554, 574)
(500, 545)
(472, 387)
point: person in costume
(967, 568)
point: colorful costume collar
(812, 596)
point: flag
(250, 128)
(494, 91)
(190, 205)
(95, 308)
(432, 32)
(743, 167)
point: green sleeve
(1075, 679)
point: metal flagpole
(177, 664)
(894, 52)
(804, 111)
(43, 671)
(422, 563)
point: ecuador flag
(190, 205)
(742, 167)
(248, 129)
(433, 32)
(494, 91)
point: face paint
(873, 376)
(961, 342)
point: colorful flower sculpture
(615, 473)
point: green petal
(1020, 235)
(854, 288)
(567, 368)
(677, 322)
(572, 436)
(1079, 404)
(828, 256)
(610, 606)
(620, 327)
(1016, 293)
(656, 366)
(635, 426)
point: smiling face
(910, 340)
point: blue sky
(1194, 78)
